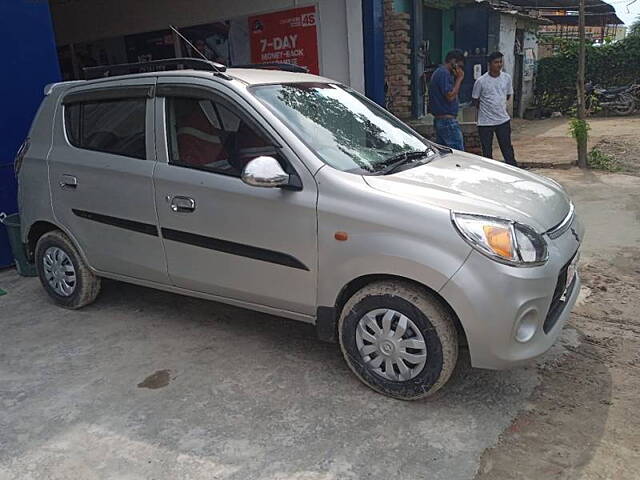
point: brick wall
(397, 60)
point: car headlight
(502, 240)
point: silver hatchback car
(291, 194)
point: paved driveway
(235, 395)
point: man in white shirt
(490, 94)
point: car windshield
(345, 129)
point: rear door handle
(68, 181)
(181, 204)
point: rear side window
(113, 126)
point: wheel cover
(59, 271)
(391, 344)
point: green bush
(606, 65)
(579, 129)
(598, 160)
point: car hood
(463, 182)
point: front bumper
(491, 300)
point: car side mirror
(265, 172)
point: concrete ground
(145, 384)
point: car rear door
(101, 175)
(222, 236)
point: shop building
(325, 36)
(418, 35)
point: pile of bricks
(471, 138)
(397, 59)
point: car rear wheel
(63, 273)
(398, 339)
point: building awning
(510, 8)
(597, 12)
(590, 19)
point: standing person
(443, 100)
(490, 93)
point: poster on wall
(211, 39)
(144, 47)
(289, 36)
(529, 63)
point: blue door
(30, 62)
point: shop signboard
(288, 36)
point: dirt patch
(624, 151)
(582, 421)
(157, 379)
(548, 144)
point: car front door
(222, 236)
(101, 177)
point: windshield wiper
(396, 161)
(442, 149)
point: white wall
(507, 39)
(506, 42)
(340, 24)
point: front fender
(428, 265)
(386, 234)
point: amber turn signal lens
(341, 236)
(499, 239)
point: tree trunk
(582, 139)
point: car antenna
(192, 46)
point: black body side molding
(233, 248)
(139, 227)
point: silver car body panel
(388, 234)
(467, 183)
(228, 210)
(110, 188)
(397, 224)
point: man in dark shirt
(443, 100)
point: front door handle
(68, 181)
(183, 204)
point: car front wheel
(398, 339)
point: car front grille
(559, 300)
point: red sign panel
(285, 37)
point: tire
(51, 250)
(625, 105)
(626, 109)
(433, 322)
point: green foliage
(592, 104)
(579, 129)
(608, 65)
(634, 29)
(598, 160)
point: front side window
(344, 129)
(205, 134)
(113, 126)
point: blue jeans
(449, 133)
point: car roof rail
(287, 67)
(169, 64)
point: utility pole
(581, 139)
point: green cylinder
(12, 223)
